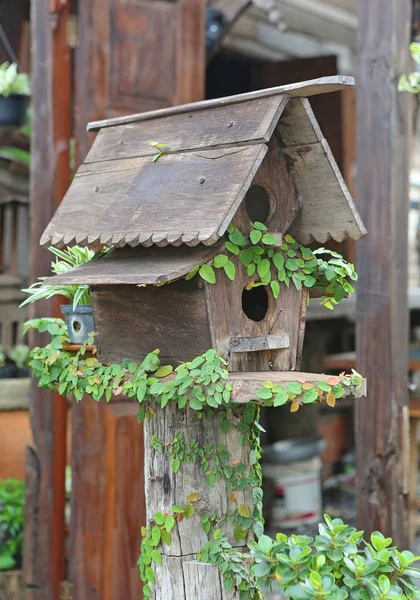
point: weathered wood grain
(383, 134)
(228, 320)
(318, 180)
(165, 488)
(192, 194)
(246, 384)
(107, 509)
(132, 321)
(44, 564)
(256, 344)
(136, 57)
(302, 89)
(139, 266)
(244, 123)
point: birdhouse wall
(251, 329)
(132, 321)
(272, 197)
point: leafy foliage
(411, 83)
(12, 501)
(19, 355)
(66, 260)
(203, 383)
(158, 532)
(337, 565)
(12, 82)
(270, 264)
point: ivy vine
(202, 384)
(276, 264)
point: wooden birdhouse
(165, 209)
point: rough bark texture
(383, 120)
(180, 576)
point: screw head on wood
(230, 123)
(200, 284)
(235, 342)
(202, 179)
(96, 188)
(121, 142)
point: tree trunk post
(383, 124)
(193, 473)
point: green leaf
(176, 465)
(225, 426)
(239, 534)
(232, 248)
(310, 396)
(176, 509)
(263, 267)
(192, 273)
(157, 557)
(207, 273)
(309, 281)
(229, 269)
(159, 518)
(275, 287)
(150, 574)
(281, 398)
(164, 371)
(210, 479)
(269, 240)
(220, 260)
(264, 394)
(261, 569)
(189, 511)
(255, 236)
(169, 523)
(196, 404)
(147, 591)
(292, 264)
(237, 238)
(278, 260)
(251, 269)
(260, 226)
(166, 537)
(294, 387)
(156, 535)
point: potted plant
(78, 315)
(6, 369)
(20, 356)
(14, 95)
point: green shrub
(12, 502)
(336, 565)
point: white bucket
(297, 493)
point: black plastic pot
(7, 371)
(79, 322)
(13, 110)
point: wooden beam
(44, 553)
(383, 127)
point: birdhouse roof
(124, 194)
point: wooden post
(180, 576)
(383, 131)
(44, 554)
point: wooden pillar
(383, 131)
(44, 553)
(180, 576)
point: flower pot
(79, 322)
(7, 371)
(13, 110)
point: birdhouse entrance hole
(255, 303)
(257, 204)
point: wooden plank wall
(384, 124)
(44, 553)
